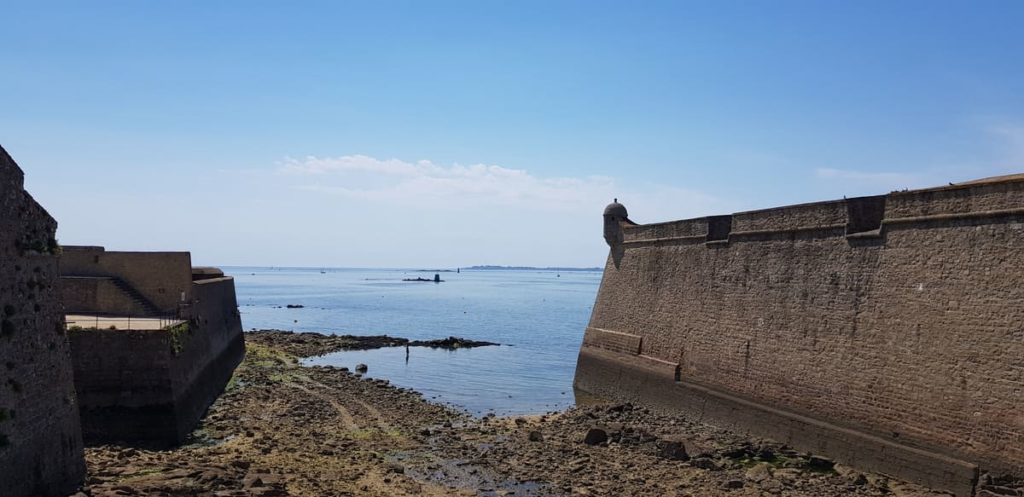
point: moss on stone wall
(179, 336)
(31, 244)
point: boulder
(705, 463)
(818, 463)
(595, 436)
(759, 472)
(673, 449)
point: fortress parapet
(884, 331)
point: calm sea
(538, 317)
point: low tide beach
(371, 386)
(286, 428)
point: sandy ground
(284, 429)
(120, 323)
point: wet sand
(282, 429)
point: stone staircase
(139, 299)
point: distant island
(530, 268)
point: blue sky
(409, 134)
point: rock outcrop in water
(311, 344)
(437, 279)
(451, 343)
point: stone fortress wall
(126, 385)
(123, 283)
(40, 439)
(150, 384)
(886, 332)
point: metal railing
(103, 321)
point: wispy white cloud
(358, 163)
(1002, 153)
(425, 183)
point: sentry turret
(614, 215)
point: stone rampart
(162, 278)
(96, 295)
(154, 385)
(209, 357)
(40, 439)
(886, 332)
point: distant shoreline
(530, 268)
(415, 270)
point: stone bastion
(153, 341)
(886, 332)
(170, 339)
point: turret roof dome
(616, 209)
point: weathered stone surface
(40, 437)
(153, 386)
(848, 326)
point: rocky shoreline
(284, 429)
(315, 344)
